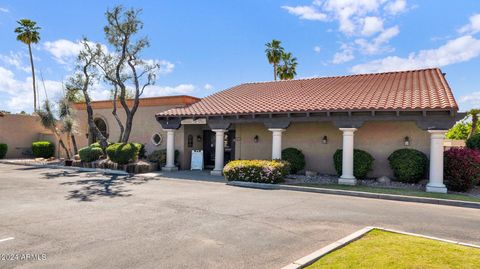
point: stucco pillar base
(169, 169)
(216, 173)
(439, 189)
(347, 181)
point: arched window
(102, 126)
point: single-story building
(378, 113)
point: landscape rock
(384, 179)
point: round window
(157, 139)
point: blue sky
(206, 46)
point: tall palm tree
(28, 34)
(274, 54)
(288, 68)
(474, 114)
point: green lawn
(394, 191)
(381, 249)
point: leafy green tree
(288, 68)
(28, 34)
(474, 114)
(462, 130)
(274, 54)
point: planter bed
(134, 168)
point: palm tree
(28, 34)
(474, 114)
(48, 120)
(288, 68)
(274, 54)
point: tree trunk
(474, 125)
(33, 79)
(74, 142)
(274, 71)
(114, 113)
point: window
(157, 139)
(102, 126)
(190, 141)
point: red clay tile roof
(424, 89)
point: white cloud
(345, 55)
(306, 13)
(377, 45)
(4, 10)
(473, 26)
(15, 59)
(166, 67)
(396, 7)
(372, 25)
(62, 50)
(154, 90)
(456, 50)
(18, 94)
(317, 49)
(469, 101)
(208, 86)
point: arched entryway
(102, 126)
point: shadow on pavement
(96, 187)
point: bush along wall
(362, 162)
(461, 169)
(3, 150)
(408, 165)
(473, 142)
(260, 171)
(90, 154)
(296, 159)
(160, 156)
(43, 149)
(123, 153)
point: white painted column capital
(170, 162)
(347, 176)
(276, 142)
(435, 182)
(219, 152)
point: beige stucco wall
(19, 131)
(378, 138)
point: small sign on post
(196, 160)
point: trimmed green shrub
(260, 171)
(461, 169)
(296, 159)
(3, 150)
(142, 152)
(408, 165)
(362, 162)
(43, 149)
(123, 153)
(160, 156)
(90, 154)
(473, 142)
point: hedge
(3, 150)
(461, 169)
(123, 153)
(260, 171)
(408, 165)
(90, 154)
(160, 156)
(473, 142)
(43, 149)
(296, 159)
(362, 162)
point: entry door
(209, 147)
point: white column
(435, 183)
(170, 163)
(276, 143)
(347, 176)
(219, 152)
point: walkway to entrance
(196, 175)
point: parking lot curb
(81, 169)
(393, 197)
(314, 256)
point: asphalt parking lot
(67, 219)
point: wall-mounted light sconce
(199, 138)
(406, 141)
(255, 139)
(325, 140)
